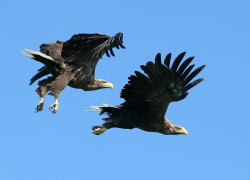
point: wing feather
(167, 60)
(41, 72)
(107, 52)
(194, 83)
(177, 61)
(187, 71)
(90, 47)
(185, 64)
(193, 74)
(111, 49)
(108, 45)
(116, 44)
(160, 68)
(161, 85)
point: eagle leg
(54, 107)
(97, 130)
(56, 87)
(40, 105)
(42, 90)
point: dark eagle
(147, 97)
(72, 63)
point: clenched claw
(54, 107)
(97, 130)
(39, 106)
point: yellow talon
(40, 105)
(54, 107)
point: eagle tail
(98, 108)
(36, 55)
(43, 58)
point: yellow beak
(183, 131)
(110, 85)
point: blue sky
(61, 146)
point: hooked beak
(183, 131)
(109, 85)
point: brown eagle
(147, 97)
(72, 63)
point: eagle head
(100, 84)
(176, 129)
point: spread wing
(162, 85)
(89, 48)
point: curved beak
(183, 131)
(109, 85)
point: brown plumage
(72, 63)
(147, 97)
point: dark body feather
(148, 97)
(73, 62)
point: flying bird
(147, 97)
(72, 63)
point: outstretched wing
(89, 48)
(162, 85)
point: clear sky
(38, 146)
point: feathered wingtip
(30, 54)
(98, 108)
(160, 78)
(107, 46)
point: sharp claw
(39, 106)
(97, 130)
(54, 107)
(93, 128)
